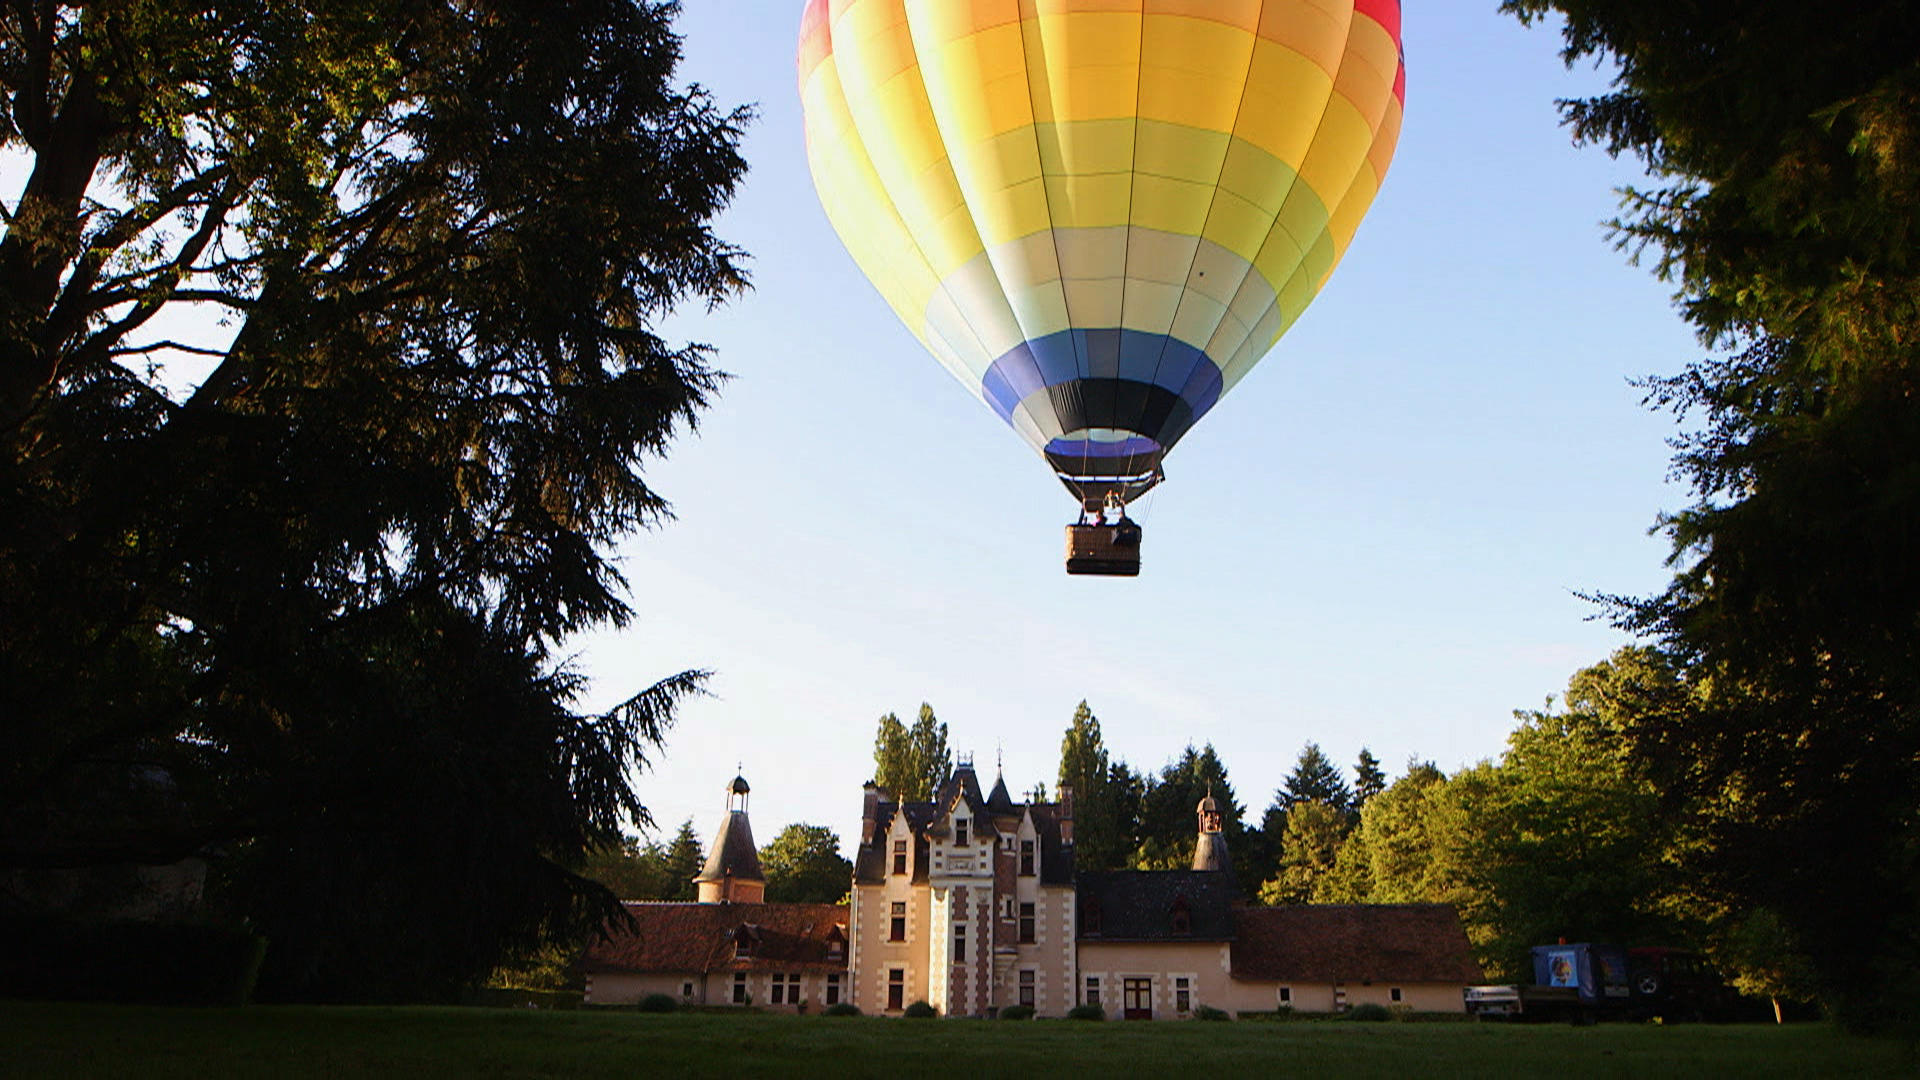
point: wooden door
(1136, 999)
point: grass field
(47, 1040)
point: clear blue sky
(1375, 541)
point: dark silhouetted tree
(1368, 779)
(310, 554)
(683, 862)
(1784, 145)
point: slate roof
(872, 861)
(1056, 858)
(1210, 853)
(999, 802)
(963, 784)
(1353, 943)
(1139, 905)
(733, 851)
(692, 938)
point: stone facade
(972, 903)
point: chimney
(1066, 814)
(869, 810)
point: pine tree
(1784, 142)
(1368, 780)
(683, 863)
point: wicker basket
(1109, 550)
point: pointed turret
(1210, 848)
(732, 873)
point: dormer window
(1026, 858)
(1090, 918)
(1182, 918)
(743, 943)
(959, 832)
(899, 856)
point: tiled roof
(1139, 905)
(1353, 943)
(700, 937)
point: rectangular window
(778, 991)
(1394, 995)
(1286, 995)
(686, 990)
(960, 943)
(960, 832)
(1093, 990)
(1026, 989)
(896, 990)
(739, 988)
(897, 928)
(1026, 858)
(1182, 996)
(899, 856)
(833, 989)
(1026, 924)
(794, 996)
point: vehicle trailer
(1579, 983)
(1585, 983)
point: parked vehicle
(1584, 983)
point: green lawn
(43, 1040)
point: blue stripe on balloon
(1132, 446)
(1134, 355)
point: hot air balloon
(1099, 214)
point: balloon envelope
(1099, 214)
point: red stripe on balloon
(816, 38)
(1384, 12)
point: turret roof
(733, 853)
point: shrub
(841, 1008)
(1017, 1012)
(920, 1010)
(1282, 1014)
(1208, 1012)
(512, 997)
(1369, 1012)
(658, 1003)
(129, 962)
(1086, 1012)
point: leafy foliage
(1315, 832)
(803, 865)
(1785, 210)
(1105, 801)
(911, 763)
(313, 563)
